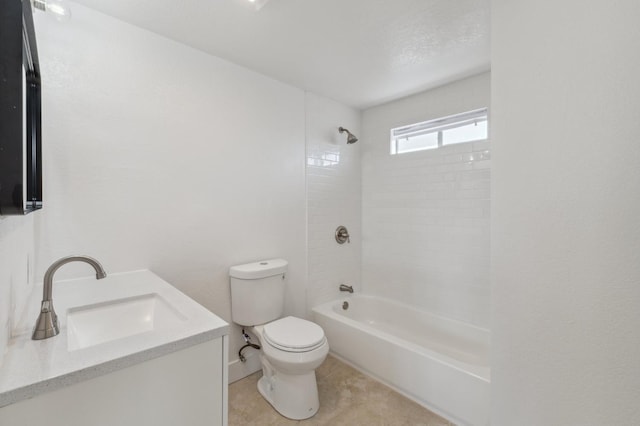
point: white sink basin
(103, 322)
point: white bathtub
(440, 363)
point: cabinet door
(187, 387)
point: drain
(345, 305)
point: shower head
(351, 138)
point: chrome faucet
(344, 287)
(47, 323)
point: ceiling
(359, 52)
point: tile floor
(347, 397)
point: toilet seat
(291, 334)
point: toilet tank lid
(257, 270)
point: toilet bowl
(291, 348)
(289, 358)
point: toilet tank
(257, 291)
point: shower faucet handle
(342, 235)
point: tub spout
(344, 287)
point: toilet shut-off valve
(247, 340)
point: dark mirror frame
(20, 124)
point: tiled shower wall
(333, 198)
(426, 215)
(16, 271)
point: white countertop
(33, 367)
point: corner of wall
(333, 198)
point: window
(466, 127)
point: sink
(116, 319)
(106, 326)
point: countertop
(33, 367)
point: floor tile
(347, 397)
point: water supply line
(247, 340)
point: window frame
(438, 125)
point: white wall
(159, 156)
(565, 213)
(426, 214)
(333, 198)
(16, 271)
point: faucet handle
(342, 235)
(47, 323)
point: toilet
(291, 348)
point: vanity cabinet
(187, 387)
(132, 351)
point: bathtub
(440, 363)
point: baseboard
(239, 370)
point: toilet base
(293, 396)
